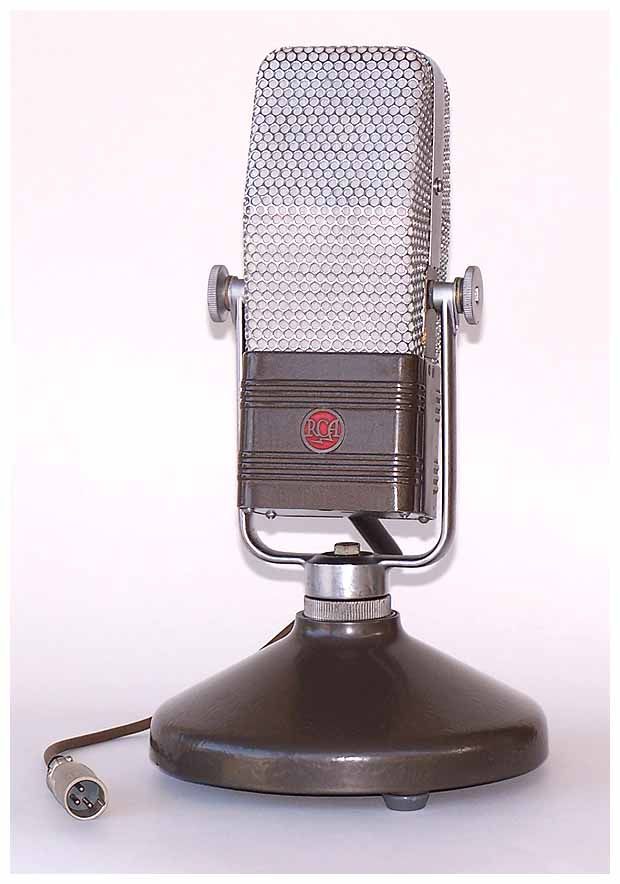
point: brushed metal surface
(330, 576)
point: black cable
(375, 534)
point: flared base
(349, 709)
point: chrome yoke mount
(449, 300)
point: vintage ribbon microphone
(346, 333)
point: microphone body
(346, 221)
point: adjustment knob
(471, 295)
(217, 293)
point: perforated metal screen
(338, 198)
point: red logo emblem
(322, 430)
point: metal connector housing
(74, 785)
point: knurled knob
(472, 295)
(217, 298)
(347, 610)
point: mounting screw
(346, 549)
(471, 295)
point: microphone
(345, 327)
(346, 358)
(346, 226)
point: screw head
(346, 549)
(217, 299)
(472, 295)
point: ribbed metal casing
(347, 611)
(383, 456)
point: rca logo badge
(322, 430)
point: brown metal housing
(348, 709)
(385, 458)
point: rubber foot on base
(406, 802)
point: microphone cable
(74, 785)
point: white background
(130, 135)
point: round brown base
(348, 709)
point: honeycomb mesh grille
(445, 205)
(337, 201)
(445, 193)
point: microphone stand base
(349, 708)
